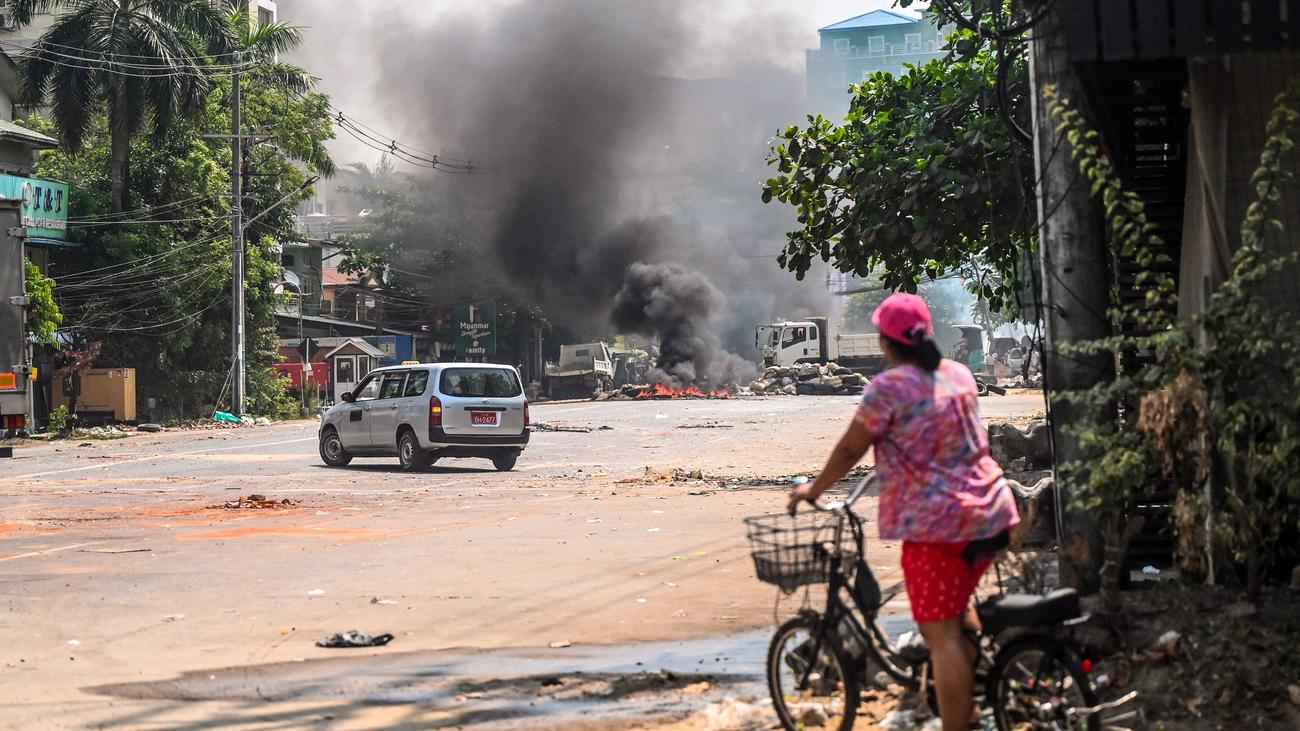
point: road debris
(809, 379)
(664, 476)
(173, 618)
(113, 551)
(353, 638)
(711, 425)
(542, 426)
(256, 502)
(316, 592)
(377, 600)
(560, 644)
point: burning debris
(678, 307)
(809, 379)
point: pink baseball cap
(903, 317)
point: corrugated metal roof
(22, 134)
(873, 19)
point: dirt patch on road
(341, 534)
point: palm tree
(260, 46)
(144, 60)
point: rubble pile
(809, 379)
(256, 502)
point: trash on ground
(150, 428)
(173, 618)
(225, 418)
(353, 638)
(377, 600)
(560, 644)
(316, 592)
(659, 476)
(1150, 570)
(706, 426)
(899, 720)
(1169, 646)
(737, 715)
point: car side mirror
(348, 396)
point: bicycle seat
(1028, 610)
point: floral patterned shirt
(938, 482)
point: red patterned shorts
(939, 581)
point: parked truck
(15, 353)
(584, 369)
(813, 340)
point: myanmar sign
(45, 205)
(476, 330)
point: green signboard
(45, 205)
(476, 330)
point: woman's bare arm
(852, 446)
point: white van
(419, 413)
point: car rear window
(480, 382)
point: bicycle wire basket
(790, 552)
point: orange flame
(660, 391)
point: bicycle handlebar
(836, 506)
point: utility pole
(237, 392)
(1075, 284)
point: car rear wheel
(331, 449)
(505, 462)
(409, 454)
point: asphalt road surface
(131, 596)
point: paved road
(121, 571)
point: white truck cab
(785, 344)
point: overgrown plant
(43, 317)
(1241, 389)
(1118, 463)
(1222, 400)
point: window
(876, 44)
(363, 364)
(286, 260)
(345, 370)
(392, 386)
(812, 333)
(913, 41)
(416, 384)
(480, 383)
(841, 46)
(368, 390)
(794, 336)
(582, 353)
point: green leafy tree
(155, 288)
(922, 177)
(144, 61)
(43, 317)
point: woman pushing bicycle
(941, 492)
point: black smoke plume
(676, 307)
(592, 153)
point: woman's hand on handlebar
(803, 491)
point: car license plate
(484, 418)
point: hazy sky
(341, 43)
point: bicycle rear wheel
(1037, 684)
(812, 681)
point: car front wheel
(331, 449)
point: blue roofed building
(881, 40)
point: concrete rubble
(809, 379)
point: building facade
(853, 49)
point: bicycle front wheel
(1037, 684)
(812, 681)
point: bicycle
(816, 661)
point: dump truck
(584, 370)
(15, 351)
(814, 340)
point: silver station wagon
(419, 413)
